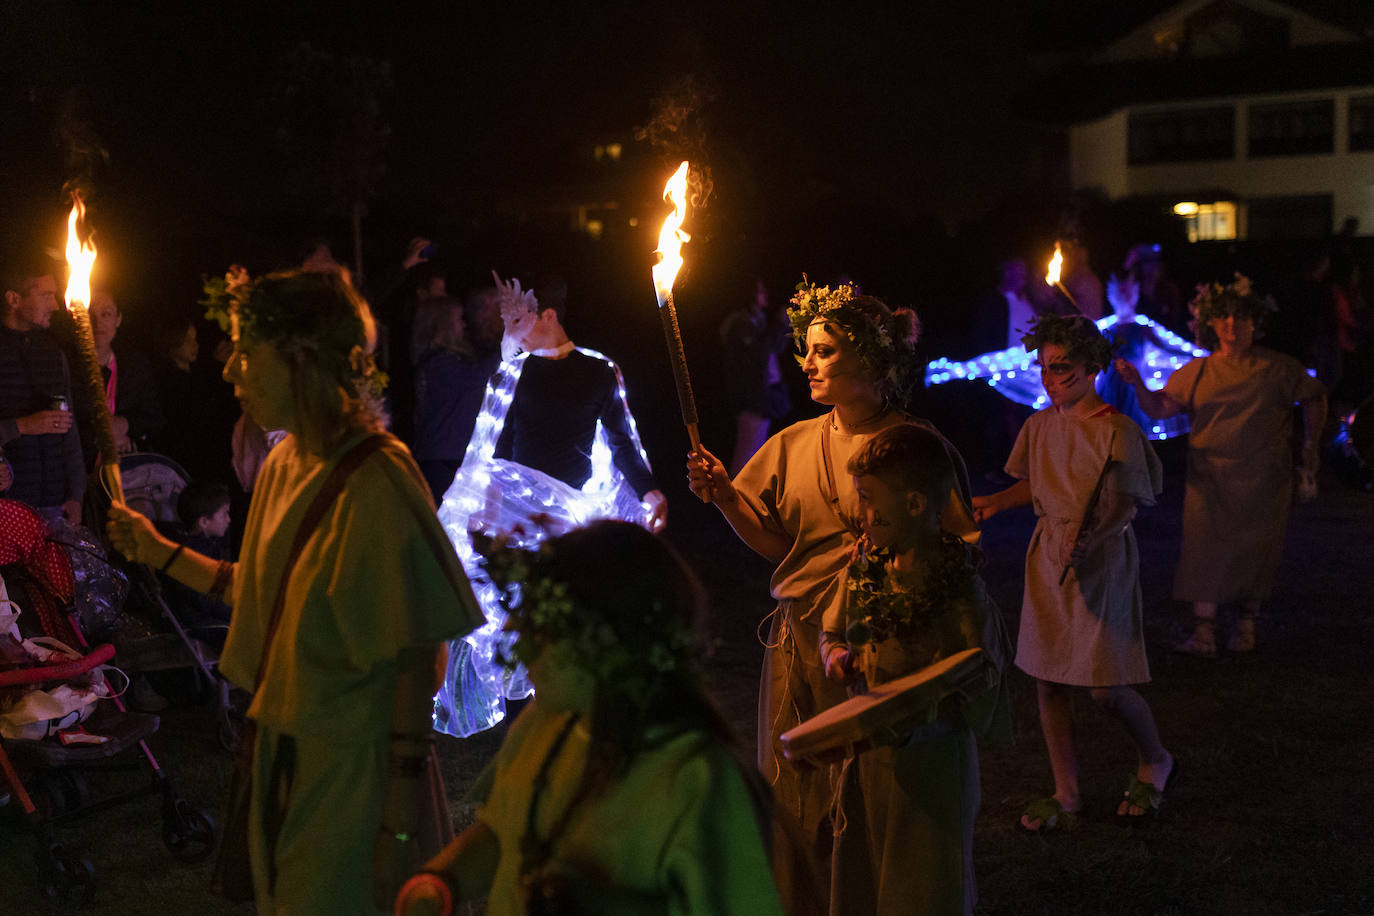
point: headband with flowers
(1214, 300)
(885, 339)
(272, 308)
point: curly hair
(324, 330)
(884, 338)
(1080, 338)
(1216, 301)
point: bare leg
(1243, 639)
(1056, 721)
(1203, 642)
(1153, 762)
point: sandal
(1051, 815)
(1203, 642)
(1145, 796)
(1243, 637)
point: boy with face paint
(1081, 617)
(910, 598)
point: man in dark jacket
(36, 428)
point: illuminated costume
(1087, 632)
(496, 495)
(558, 405)
(1154, 348)
(679, 824)
(326, 704)
(1240, 471)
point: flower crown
(881, 346)
(1212, 300)
(813, 302)
(541, 609)
(223, 295)
(227, 301)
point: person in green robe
(342, 684)
(618, 789)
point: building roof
(1200, 49)
(1222, 28)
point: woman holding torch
(795, 504)
(336, 632)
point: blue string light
(1014, 374)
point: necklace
(853, 427)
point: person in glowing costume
(1157, 350)
(514, 479)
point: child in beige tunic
(1081, 615)
(911, 597)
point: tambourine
(886, 715)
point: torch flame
(80, 258)
(1056, 262)
(671, 236)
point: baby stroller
(153, 637)
(61, 719)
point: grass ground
(1273, 812)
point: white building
(1251, 119)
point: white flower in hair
(519, 309)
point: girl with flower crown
(616, 790)
(794, 504)
(340, 649)
(1239, 402)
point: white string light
(496, 496)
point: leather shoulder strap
(333, 486)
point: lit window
(613, 150)
(599, 153)
(1208, 222)
(594, 228)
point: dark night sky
(907, 105)
(900, 118)
(883, 140)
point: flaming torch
(1052, 277)
(669, 252)
(80, 258)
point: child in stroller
(203, 511)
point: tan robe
(800, 492)
(1087, 632)
(369, 583)
(1240, 471)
